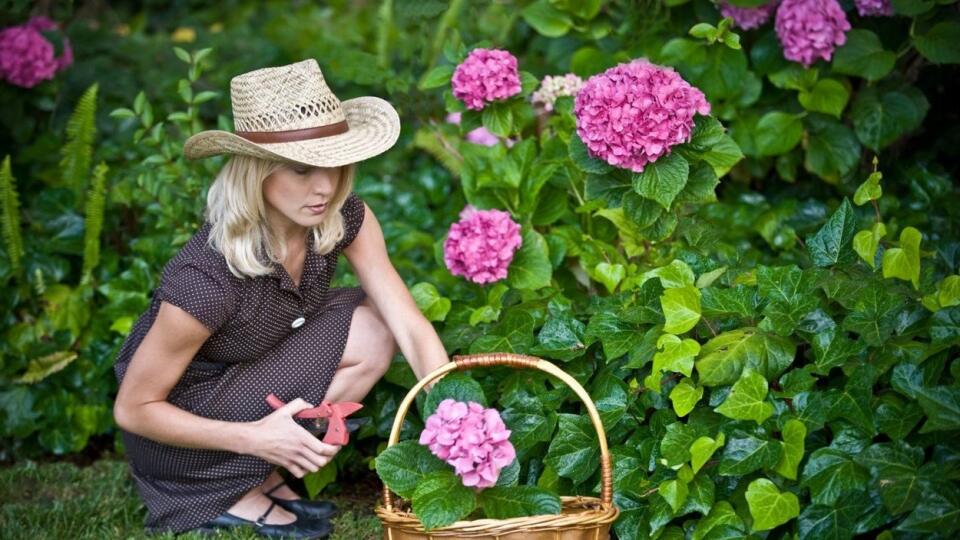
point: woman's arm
(142, 408)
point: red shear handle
(336, 413)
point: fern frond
(78, 150)
(93, 217)
(11, 217)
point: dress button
(298, 322)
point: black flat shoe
(302, 528)
(303, 508)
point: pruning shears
(334, 413)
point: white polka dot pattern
(253, 351)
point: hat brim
(374, 127)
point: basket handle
(469, 361)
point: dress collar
(312, 265)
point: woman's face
(300, 193)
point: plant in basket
(463, 464)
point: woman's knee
(375, 346)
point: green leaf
(768, 506)
(874, 315)
(403, 466)
(433, 306)
(831, 348)
(610, 274)
(681, 309)
(912, 7)
(865, 243)
(828, 96)
(904, 262)
(703, 448)
(685, 396)
(723, 358)
(458, 386)
(547, 19)
(583, 160)
(723, 155)
(746, 400)
(938, 513)
(517, 501)
(869, 190)
(740, 300)
(674, 275)
(182, 54)
(44, 366)
(837, 522)
(663, 179)
(939, 44)
(530, 267)
(777, 133)
(676, 442)
(832, 148)
(574, 453)
(746, 452)
(674, 355)
(436, 77)
(617, 336)
(794, 432)
(441, 499)
(945, 327)
(894, 469)
(942, 405)
(721, 523)
(863, 55)
(881, 118)
(829, 474)
(498, 119)
(674, 492)
(831, 244)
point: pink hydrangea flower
(480, 135)
(486, 75)
(552, 87)
(810, 29)
(27, 57)
(471, 438)
(874, 8)
(632, 114)
(748, 18)
(481, 245)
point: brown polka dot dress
(255, 349)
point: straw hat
(288, 113)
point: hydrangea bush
(27, 57)
(811, 30)
(481, 245)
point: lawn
(62, 500)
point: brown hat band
(267, 137)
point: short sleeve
(200, 293)
(352, 211)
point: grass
(61, 500)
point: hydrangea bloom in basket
(461, 476)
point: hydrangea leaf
(746, 400)
(458, 386)
(583, 160)
(904, 262)
(882, 116)
(530, 267)
(865, 243)
(517, 501)
(723, 155)
(777, 133)
(827, 96)
(685, 396)
(433, 306)
(403, 466)
(663, 179)
(768, 506)
(869, 190)
(831, 244)
(703, 448)
(747, 452)
(794, 432)
(574, 452)
(440, 499)
(863, 55)
(830, 473)
(939, 44)
(681, 309)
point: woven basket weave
(580, 518)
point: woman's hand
(278, 439)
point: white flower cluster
(552, 87)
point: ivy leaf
(516, 501)
(703, 448)
(440, 499)
(832, 349)
(874, 315)
(904, 262)
(528, 428)
(746, 400)
(837, 522)
(675, 443)
(616, 335)
(945, 327)
(663, 179)
(574, 453)
(701, 496)
(723, 358)
(746, 452)
(722, 518)
(790, 291)
(829, 474)
(768, 506)
(937, 513)
(942, 405)
(831, 244)
(794, 432)
(740, 300)
(869, 190)
(865, 243)
(685, 396)
(681, 309)
(675, 354)
(894, 469)
(403, 466)
(674, 492)
(895, 418)
(672, 276)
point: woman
(244, 310)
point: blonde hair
(240, 230)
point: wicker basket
(580, 517)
